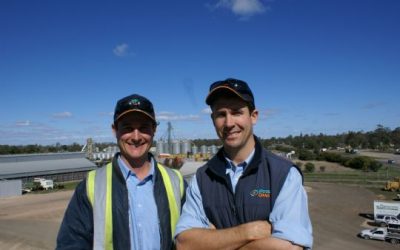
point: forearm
(199, 238)
(230, 238)
(270, 243)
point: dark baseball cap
(134, 103)
(235, 86)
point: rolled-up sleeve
(193, 215)
(290, 218)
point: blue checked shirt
(289, 217)
(143, 217)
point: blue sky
(314, 66)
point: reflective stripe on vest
(98, 189)
(173, 182)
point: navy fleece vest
(255, 193)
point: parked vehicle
(26, 190)
(390, 219)
(393, 232)
(384, 220)
(393, 238)
(45, 184)
(385, 211)
(393, 185)
(393, 227)
(378, 233)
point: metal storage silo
(185, 147)
(203, 149)
(166, 147)
(176, 147)
(194, 149)
(213, 149)
(159, 147)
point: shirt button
(139, 205)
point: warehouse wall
(10, 188)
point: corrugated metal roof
(41, 157)
(50, 164)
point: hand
(256, 230)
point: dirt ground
(338, 214)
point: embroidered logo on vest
(260, 193)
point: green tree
(395, 137)
(309, 167)
(375, 166)
(355, 139)
(306, 155)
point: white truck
(44, 183)
(393, 233)
(378, 233)
(383, 210)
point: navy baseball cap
(235, 86)
(134, 103)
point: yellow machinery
(393, 185)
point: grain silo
(203, 149)
(176, 149)
(213, 149)
(194, 149)
(160, 147)
(185, 147)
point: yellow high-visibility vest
(99, 192)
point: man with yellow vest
(133, 202)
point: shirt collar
(126, 171)
(231, 164)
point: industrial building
(58, 167)
(176, 147)
(168, 145)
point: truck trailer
(384, 210)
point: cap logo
(135, 102)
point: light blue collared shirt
(289, 217)
(235, 171)
(143, 216)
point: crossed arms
(252, 235)
(289, 225)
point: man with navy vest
(244, 197)
(133, 202)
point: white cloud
(206, 111)
(121, 50)
(243, 8)
(169, 116)
(62, 115)
(23, 123)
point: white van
(46, 184)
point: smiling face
(134, 132)
(233, 123)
